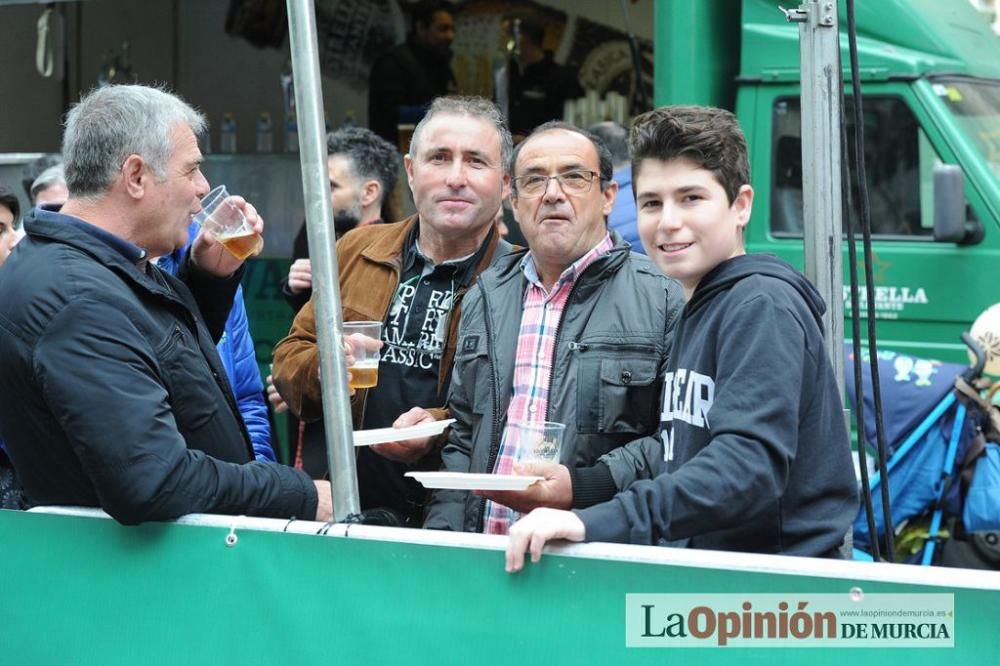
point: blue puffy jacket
(623, 216)
(238, 355)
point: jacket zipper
(495, 447)
(583, 347)
(572, 344)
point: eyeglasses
(571, 182)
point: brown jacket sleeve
(367, 284)
(296, 366)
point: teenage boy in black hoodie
(756, 453)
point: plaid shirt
(533, 365)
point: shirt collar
(465, 267)
(574, 270)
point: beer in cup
(228, 224)
(365, 338)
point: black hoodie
(756, 452)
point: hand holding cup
(233, 225)
(363, 340)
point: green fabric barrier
(89, 591)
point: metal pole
(819, 44)
(326, 287)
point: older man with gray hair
(111, 391)
(50, 187)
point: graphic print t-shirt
(413, 337)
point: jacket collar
(103, 247)
(390, 248)
(509, 266)
(56, 221)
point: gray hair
(54, 175)
(476, 107)
(113, 122)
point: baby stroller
(937, 429)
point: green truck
(930, 74)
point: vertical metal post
(819, 45)
(326, 287)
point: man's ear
(743, 206)
(505, 189)
(371, 191)
(609, 194)
(408, 167)
(135, 176)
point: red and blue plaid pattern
(533, 366)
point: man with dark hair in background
(363, 169)
(405, 79)
(539, 86)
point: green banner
(89, 591)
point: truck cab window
(976, 106)
(898, 157)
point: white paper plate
(383, 435)
(464, 481)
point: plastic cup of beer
(365, 339)
(537, 441)
(221, 216)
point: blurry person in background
(10, 212)
(539, 86)
(10, 216)
(623, 216)
(405, 79)
(363, 169)
(33, 169)
(50, 187)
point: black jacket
(757, 455)
(407, 77)
(538, 93)
(611, 348)
(111, 390)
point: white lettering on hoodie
(687, 397)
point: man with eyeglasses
(576, 329)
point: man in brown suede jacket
(411, 276)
